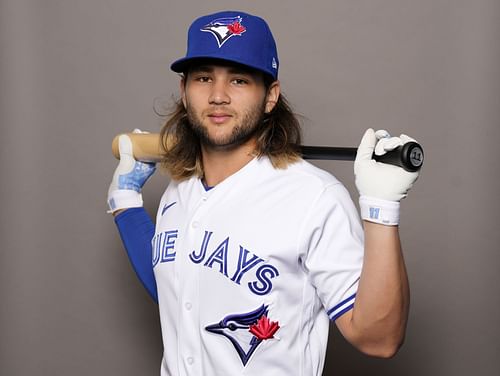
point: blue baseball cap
(232, 36)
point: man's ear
(183, 90)
(272, 96)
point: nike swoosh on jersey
(167, 206)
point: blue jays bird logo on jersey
(225, 28)
(246, 331)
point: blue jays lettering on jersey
(216, 258)
(163, 246)
(246, 269)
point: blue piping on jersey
(206, 186)
(343, 302)
(348, 308)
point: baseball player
(254, 250)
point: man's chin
(222, 145)
(223, 137)
(225, 143)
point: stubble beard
(242, 131)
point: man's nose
(219, 93)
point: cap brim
(182, 65)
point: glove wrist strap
(124, 199)
(379, 211)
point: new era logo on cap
(224, 28)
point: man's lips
(219, 117)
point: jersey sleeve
(136, 230)
(333, 239)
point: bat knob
(409, 156)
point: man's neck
(218, 164)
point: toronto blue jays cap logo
(225, 28)
(246, 331)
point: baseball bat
(409, 156)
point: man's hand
(381, 186)
(129, 178)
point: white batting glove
(129, 177)
(381, 186)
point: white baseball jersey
(250, 272)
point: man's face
(225, 104)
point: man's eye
(203, 79)
(240, 81)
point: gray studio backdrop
(75, 73)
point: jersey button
(190, 360)
(195, 224)
(188, 306)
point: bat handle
(409, 156)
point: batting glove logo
(374, 213)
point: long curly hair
(278, 137)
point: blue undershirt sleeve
(136, 230)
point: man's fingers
(125, 146)
(382, 133)
(387, 144)
(406, 139)
(366, 146)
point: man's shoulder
(303, 173)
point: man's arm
(136, 230)
(125, 203)
(377, 323)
